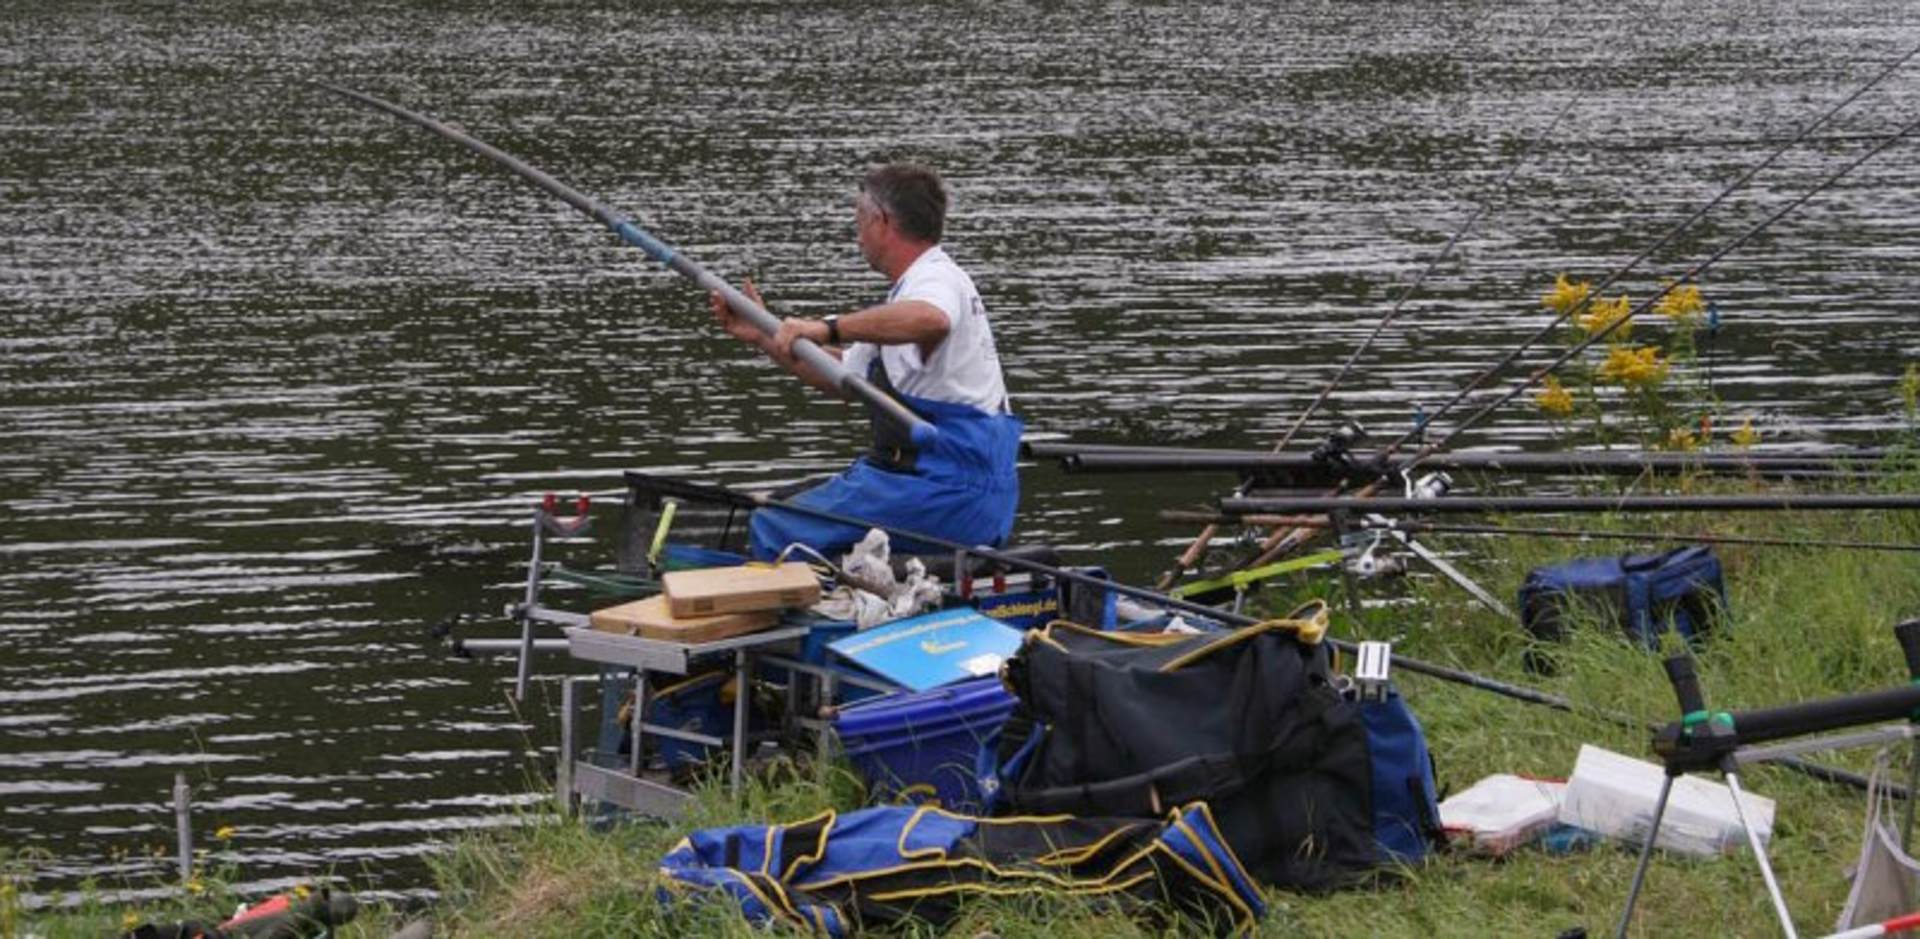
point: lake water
(280, 377)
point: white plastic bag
(869, 564)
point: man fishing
(930, 347)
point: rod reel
(1431, 486)
(1364, 557)
(1336, 451)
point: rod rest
(1702, 740)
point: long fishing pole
(1156, 460)
(1621, 271)
(1055, 449)
(1417, 666)
(1355, 507)
(1417, 526)
(822, 362)
(1191, 555)
(1726, 142)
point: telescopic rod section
(1551, 504)
(1179, 460)
(850, 385)
(1704, 740)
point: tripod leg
(1646, 858)
(1760, 856)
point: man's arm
(889, 324)
(783, 356)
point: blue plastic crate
(927, 744)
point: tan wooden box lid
(652, 619)
(744, 589)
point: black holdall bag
(1118, 724)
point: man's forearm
(908, 321)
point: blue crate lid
(964, 705)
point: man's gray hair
(913, 194)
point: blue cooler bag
(1648, 593)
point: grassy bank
(1804, 622)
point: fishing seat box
(652, 619)
(747, 588)
(1680, 589)
(927, 744)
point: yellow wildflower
(1636, 366)
(129, 920)
(1681, 438)
(1554, 398)
(195, 885)
(1682, 303)
(1565, 296)
(1604, 313)
(223, 833)
(1746, 436)
(302, 891)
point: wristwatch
(833, 329)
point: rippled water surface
(281, 377)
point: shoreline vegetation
(1803, 622)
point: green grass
(1803, 622)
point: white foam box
(1615, 796)
(1502, 812)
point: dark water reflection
(282, 376)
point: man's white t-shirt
(965, 366)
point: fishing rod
(1500, 189)
(1719, 143)
(1259, 505)
(1690, 274)
(821, 361)
(1671, 233)
(1442, 672)
(1280, 542)
(1056, 449)
(1191, 555)
(1415, 526)
(1630, 463)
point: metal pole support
(525, 669)
(183, 823)
(1760, 857)
(1646, 858)
(563, 774)
(1341, 525)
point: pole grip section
(1686, 684)
(1909, 635)
(1809, 717)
